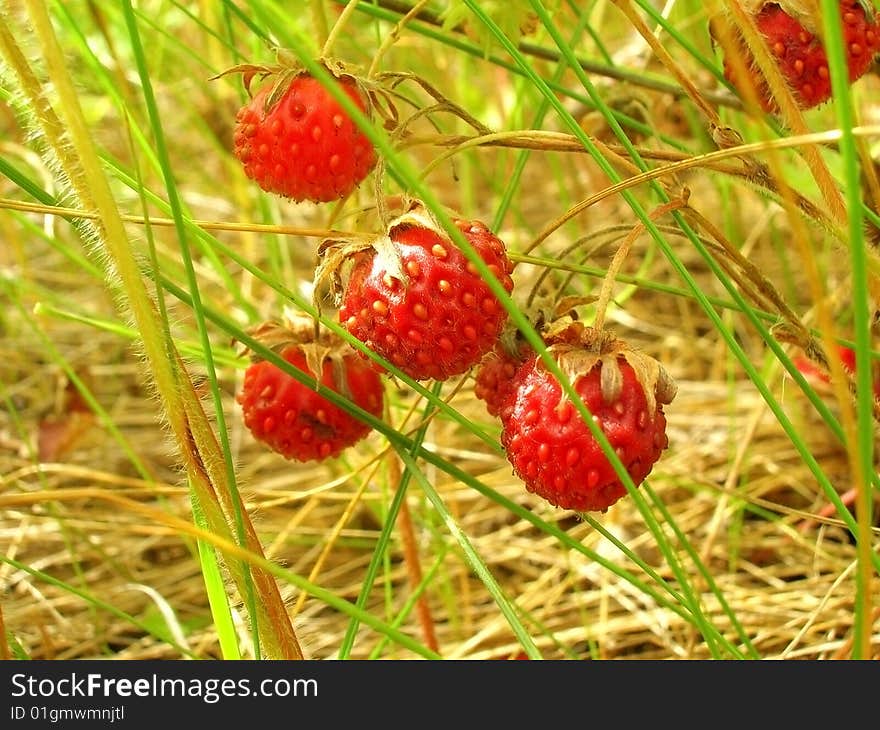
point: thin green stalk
(733, 345)
(225, 356)
(537, 122)
(863, 460)
(96, 602)
(385, 536)
(183, 240)
(506, 605)
(703, 570)
(215, 587)
(561, 89)
(400, 441)
(525, 327)
(411, 601)
(708, 64)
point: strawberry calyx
(317, 344)
(578, 348)
(285, 71)
(334, 253)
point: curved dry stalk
(622, 252)
(752, 171)
(703, 160)
(752, 272)
(443, 102)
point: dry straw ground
(737, 490)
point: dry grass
(791, 588)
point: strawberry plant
(393, 330)
(552, 448)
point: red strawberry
(820, 379)
(296, 140)
(293, 419)
(493, 382)
(416, 299)
(793, 38)
(547, 442)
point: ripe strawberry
(296, 140)
(820, 379)
(413, 297)
(547, 442)
(295, 420)
(792, 36)
(493, 382)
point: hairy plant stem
(82, 168)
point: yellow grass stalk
(77, 163)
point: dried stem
(754, 274)
(666, 59)
(411, 558)
(620, 256)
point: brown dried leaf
(58, 436)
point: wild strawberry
(547, 442)
(820, 379)
(413, 297)
(294, 419)
(294, 139)
(792, 34)
(493, 382)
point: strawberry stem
(337, 28)
(621, 254)
(392, 37)
(319, 17)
